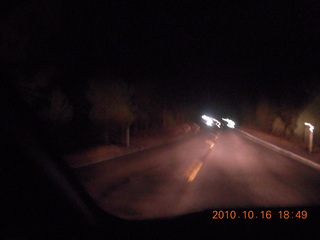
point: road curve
(221, 169)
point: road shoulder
(283, 146)
(107, 152)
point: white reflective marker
(311, 127)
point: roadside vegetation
(286, 112)
(100, 109)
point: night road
(213, 170)
(85, 82)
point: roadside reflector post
(310, 141)
(311, 128)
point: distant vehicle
(210, 121)
(230, 123)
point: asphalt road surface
(214, 170)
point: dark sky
(229, 48)
(260, 39)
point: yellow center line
(211, 143)
(195, 172)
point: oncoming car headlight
(207, 120)
(211, 121)
(230, 123)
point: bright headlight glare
(209, 120)
(230, 123)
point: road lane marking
(282, 151)
(195, 172)
(211, 143)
